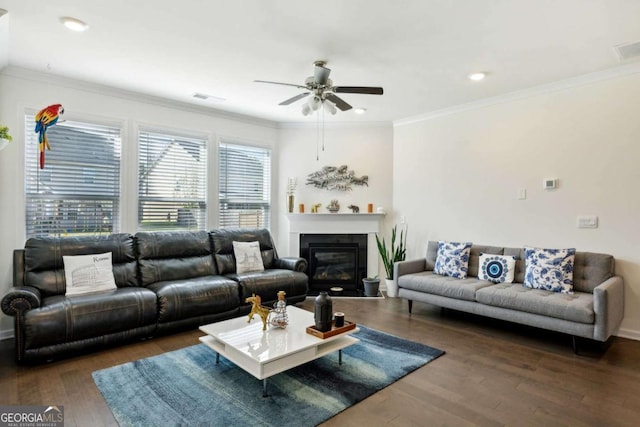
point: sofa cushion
(576, 307)
(44, 266)
(453, 259)
(520, 262)
(445, 286)
(198, 296)
(497, 268)
(549, 269)
(174, 255)
(60, 319)
(267, 283)
(591, 269)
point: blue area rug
(186, 387)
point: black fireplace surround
(335, 260)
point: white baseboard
(6, 334)
(629, 333)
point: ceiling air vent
(628, 51)
(205, 97)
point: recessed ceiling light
(476, 77)
(359, 110)
(74, 24)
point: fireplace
(335, 260)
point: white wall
(456, 177)
(4, 40)
(21, 90)
(366, 149)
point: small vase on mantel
(292, 183)
(290, 202)
(322, 312)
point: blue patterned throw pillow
(497, 268)
(549, 269)
(453, 259)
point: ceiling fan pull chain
(317, 136)
(323, 127)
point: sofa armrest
(20, 299)
(608, 305)
(401, 268)
(291, 263)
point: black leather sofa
(166, 281)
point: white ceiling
(420, 51)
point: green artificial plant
(4, 133)
(392, 254)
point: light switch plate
(522, 193)
(587, 221)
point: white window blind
(172, 179)
(244, 186)
(78, 191)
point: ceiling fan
(320, 88)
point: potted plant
(371, 286)
(390, 255)
(5, 138)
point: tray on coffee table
(334, 330)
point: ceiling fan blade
(367, 90)
(283, 84)
(294, 99)
(340, 103)
(321, 74)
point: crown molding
(41, 77)
(585, 79)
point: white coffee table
(266, 353)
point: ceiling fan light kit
(330, 107)
(321, 91)
(321, 95)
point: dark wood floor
(493, 374)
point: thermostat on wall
(550, 184)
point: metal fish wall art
(336, 178)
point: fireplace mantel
(337, 223)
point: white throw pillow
(248, 257)
(497, 268)
(88, 273)
(549, 269)
(453, 259)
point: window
(171, 182)
(244, 186)
(78, 191)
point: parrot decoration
(46, 118)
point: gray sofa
(593, 311)
(166, 282)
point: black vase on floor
(322, 312)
